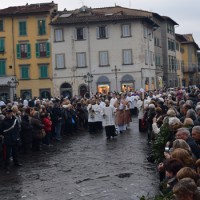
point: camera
(166, 149)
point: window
(43, 71)
(41, 27)
(126, 30)
(2, 45)
(145, 32)
(171, 45)
(151, 57)
(146, 57)
(170, 63)
(173, 63)
(22, 28)
(81, 59)
(170, 29)
(158, 60)
(26, 94)
(127, 56)
(102, 32)
(2, 67)
(80, 33)
(23, 50)
(42, 49)
(25, 72)
(45, 93)
(1, 25)
(103, 58)
(60, 61)
(59, 35)
(156, 42)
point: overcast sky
(185, 12)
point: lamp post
(88, 78)
(115, 70)
(13, 83)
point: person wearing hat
(10, 130)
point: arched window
(82, 90)
(66, 90)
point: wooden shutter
(37, 49)
(28, 50)
(2, 44)
(60, 61)
(85, 30)
(97, 32)
(18, 51)
(107, 32)
(47, 49)
(2, 68)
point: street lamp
(13, 83)
(115, 70)
(88, 78)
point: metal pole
(115, 70)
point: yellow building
(25, 51)
(179, 61)
(189, 60)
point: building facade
(169, 52)
(104, 50)
(25, 55)
(190, 60)
(179, 60)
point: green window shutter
(24, 72)
(1, 25)
(37, 50)
(43, 72)
(22, 28)
(2, 68)
(2, 45)
(41, 27)
(48, 49)
(28, 50)
(18, 51)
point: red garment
(47, 124)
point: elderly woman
(37, 125)
(188, 123)
(170, 119)
(191, 114)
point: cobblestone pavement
(85, 167)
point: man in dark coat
(10, 130)
(183, 133)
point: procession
(170, 121)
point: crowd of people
(171, 121)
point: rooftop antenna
(82, 2)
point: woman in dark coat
(26, 131)
(37, 128)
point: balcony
(189, 69)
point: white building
(114, 46)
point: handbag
(40, 134)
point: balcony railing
(190, 69)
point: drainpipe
(89, 57)
(13, 41)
